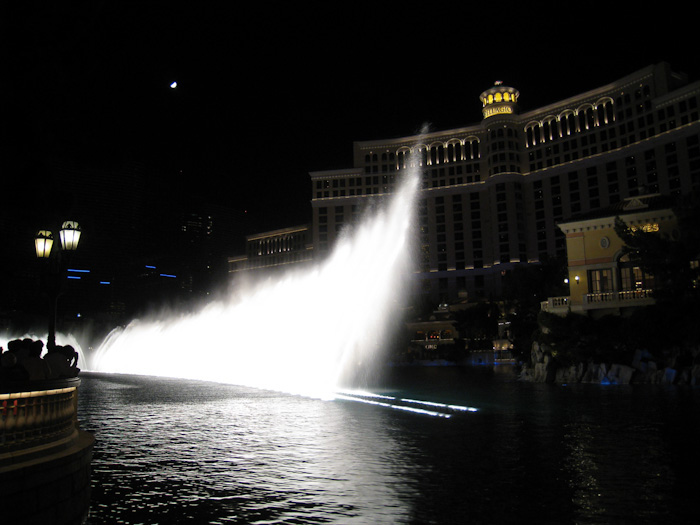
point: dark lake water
(181, 451)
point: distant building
(274, 250)
(434, 338)
(602, 277)
(493, 192)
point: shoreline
(643, 369)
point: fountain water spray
(300, 334)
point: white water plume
(299, 334)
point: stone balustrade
(555, 303)
(592, 301)
(35, 413)
(44, 456)
(621, 296)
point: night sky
(266, 94)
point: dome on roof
(499, 100)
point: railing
(555, 303)
(622, 296)
(35, 413)
(560, 305)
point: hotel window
(632, 277)
(600, 281)
(555, 184)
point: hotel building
(492, 193)
(273, 250)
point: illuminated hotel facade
(274, 250)
(493, 193)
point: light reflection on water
(176, 451)
(170, 449)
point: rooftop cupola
(499, 100)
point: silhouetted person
(9, 371)
(62, 360)
(35, 366)
(19, 348)
(71, 354)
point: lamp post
(43, 244)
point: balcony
(623, 298)
(556, 305)
(599, 301)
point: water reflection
(602, 446)
(174, 451)
(167, 449)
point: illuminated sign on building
(647, 228)
(497, 110)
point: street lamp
(70, 236)
(43, 243)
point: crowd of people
(23, 361)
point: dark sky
(266, 94)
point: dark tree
(671, 258)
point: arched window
(604, 111)
(421, 152)
(581, 120)
(534, 133)
(454, 151)
(590, 118)
(403, 159)
(586, 118)
(550, 129)
(567, 121)
(475, 149)
(437, 154)
(600, 114)
(530, 136)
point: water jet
(302, 333)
